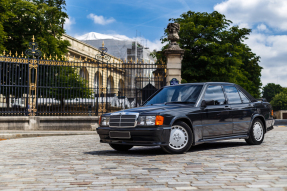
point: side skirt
(222, 138)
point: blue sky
(148, 17)
(266, 18)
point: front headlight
(149, 120)
(105, 121)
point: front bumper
(140, 136)
(269, 124)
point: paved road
(82, 163)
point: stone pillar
(174, 54)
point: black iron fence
(44, 87)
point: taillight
(271, 112)
(100, 120)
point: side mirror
(205, 103)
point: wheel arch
(261, 118)
(188, 122)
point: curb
(7, 135)
(279, 122)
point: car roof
(203, 83)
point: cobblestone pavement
(82, 163)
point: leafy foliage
(21, 19)
(279, 102)
(214, 51)
(270, 90)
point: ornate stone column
(174, 54)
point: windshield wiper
(180, 102)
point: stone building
(96, 77)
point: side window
(215, 93)
(243, 97)
(232, 94)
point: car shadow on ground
(156, 150)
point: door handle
(226, 107)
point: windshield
(176, 94)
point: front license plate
(120, 134)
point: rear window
(232, 94)
(243, 97)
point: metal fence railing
(39, 86)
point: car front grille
(122, 120)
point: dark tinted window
(177, 94)
(232, 94)
(215, 93)
(243, 97)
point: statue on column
(173, 29)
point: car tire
(181, 139)
(119, 147)
(256, 133)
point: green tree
(279, 102)
(214, 51)
(19, 21)
(270, 90)
(42, 18)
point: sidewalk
(22, 134)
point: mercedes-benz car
(181, 116)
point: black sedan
(179, 117)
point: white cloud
(69, 22)
(100, 19)
(152, 45)
(262, 27)
(271, 12)
(264, 16)
(272, 50)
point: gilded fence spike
(62, 57)
(50, 58)
(22, 54)
(56, 57)
(103, 44)
(86, 59)
(137, 60)
(125, 58)
(33, 39)
(10, 53)
(74, 58)
(44, 56)
(16, 54)
(131, 60)
(80, 58)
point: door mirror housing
(205, 103)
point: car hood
(155, 109)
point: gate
(42, 86)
